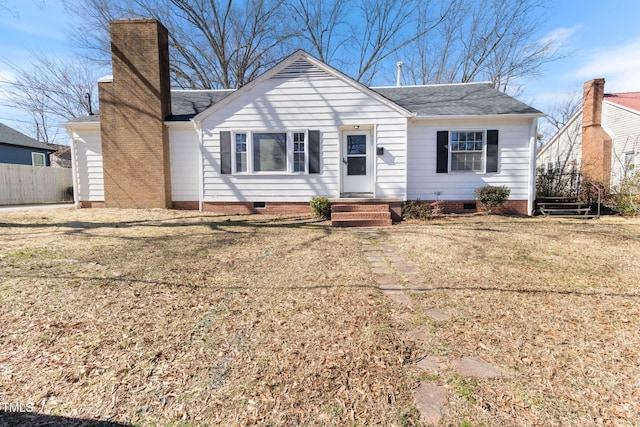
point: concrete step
(565, 211)
(581, 216)
(559, 204)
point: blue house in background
(18, 148)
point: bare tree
(389, 25)
(321, 26)
(50, 92)
(358, 36)
(213, 43)
(225, 43)
(562, 110)
(5, 8)
(492, 40)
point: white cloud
(5, 75)
(619, 65)
(560, 37)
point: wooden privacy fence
(25, 184)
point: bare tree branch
(52, 91)
(492, 40)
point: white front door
(356, 162)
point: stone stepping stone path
(429, 399)
(394, 276)
(472, 367)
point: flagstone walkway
(395, 276)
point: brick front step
(360, 215)
(361, 223)
(359, 208)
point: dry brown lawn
(554, 302)
(181, 318)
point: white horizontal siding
(565, 149)
(89, 179)
(314, 102)
(624, 126)
(184, 158)
(513, 161)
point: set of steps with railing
(567, 207)
(360, 215)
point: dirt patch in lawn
(555, 303)
(179, 318)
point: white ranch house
(300, 130)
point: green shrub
(491, 196)
(69, 193)
(321, 207)
(417, 209)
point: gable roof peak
(323, 67)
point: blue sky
(600, 39)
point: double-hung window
(270, 152)
(299, 152)
(241, 152)
(467, 151)
(472, 151)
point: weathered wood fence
(25, 184)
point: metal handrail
(599, 195)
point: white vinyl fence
(25, 184)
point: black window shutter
(442, 152)
(225, 152)
(314, 151)
(492, 151)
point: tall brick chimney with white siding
(135, 141)
(596, 143)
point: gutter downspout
(532, 166)
(198, 129)
(74, 169)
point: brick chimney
(133, 106)
(596, 143)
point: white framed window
(38, 159)
(241, 152)
(269, 152)
(467, 151)
(299, 152)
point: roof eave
(33, 147)
(480, 116)
(73, 124)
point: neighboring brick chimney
(135, 141)
(596, 143)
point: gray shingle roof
(470, 99)
(13, 137)
(186, 104)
